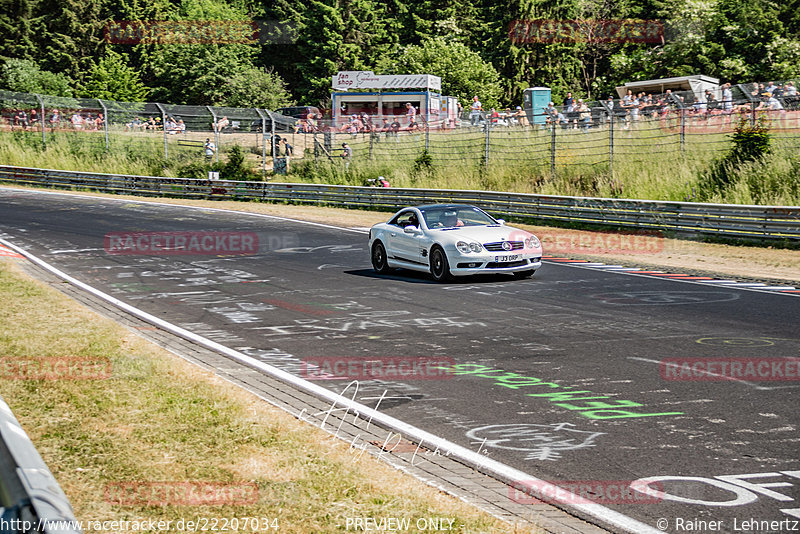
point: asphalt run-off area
(685, 391)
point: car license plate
(513, 257)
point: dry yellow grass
(158, 418)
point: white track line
(504, 472)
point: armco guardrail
(30, 498)
(728, 220)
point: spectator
(99, 122)
(771, 104)
(395, 127)
(770, 88)
(727, 98)
(22, 119)
(347, 154)
(34, 118)
(553, 116)
(519, 117)
(584, 114)
(383, 182)
(222, 124)
(209, 148)
(411, 113)
(181, 127)
(77, 121)
(475, 110)
(55, 119)
(569, 103)
(790, 89)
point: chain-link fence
(151, 128)
(596, 135)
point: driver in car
(450, 219)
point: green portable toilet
(534, 101)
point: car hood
(481, 234)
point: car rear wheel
(524, 274)
(440, 268)
(379, 258)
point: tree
(197, 74)
(113, 79)
(257, 88)
(463, 72)
(25, 76)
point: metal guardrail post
(263, 142)
(427, 135)
(610, 113)
(164, 128)
(552, 150)
(486, 147)
(42, 120)
(216, 131)
(105, 122)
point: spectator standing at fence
(475, 110)
(347, 154)
(209, 148)
(34, 118)
(77, 121)
(569, 103)
(727, 98)
(411, 113)
(790, 89)
(99, 122)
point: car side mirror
(501, 222)
(411, 229)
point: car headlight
(465, 247)
(533, 242)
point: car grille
(498, 247)
(502, 264)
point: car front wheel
(379, 258)
(440, 268)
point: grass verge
(157, 419)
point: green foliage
(750, 143)
(257, 88)
(235, 168)
(423, 166)
(24, 76)
(113, 79)
(463, 72)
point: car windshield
(455, 216)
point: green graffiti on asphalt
(565, 397)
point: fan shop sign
(364, 79)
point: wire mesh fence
(555, 139)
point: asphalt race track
(562, 376)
